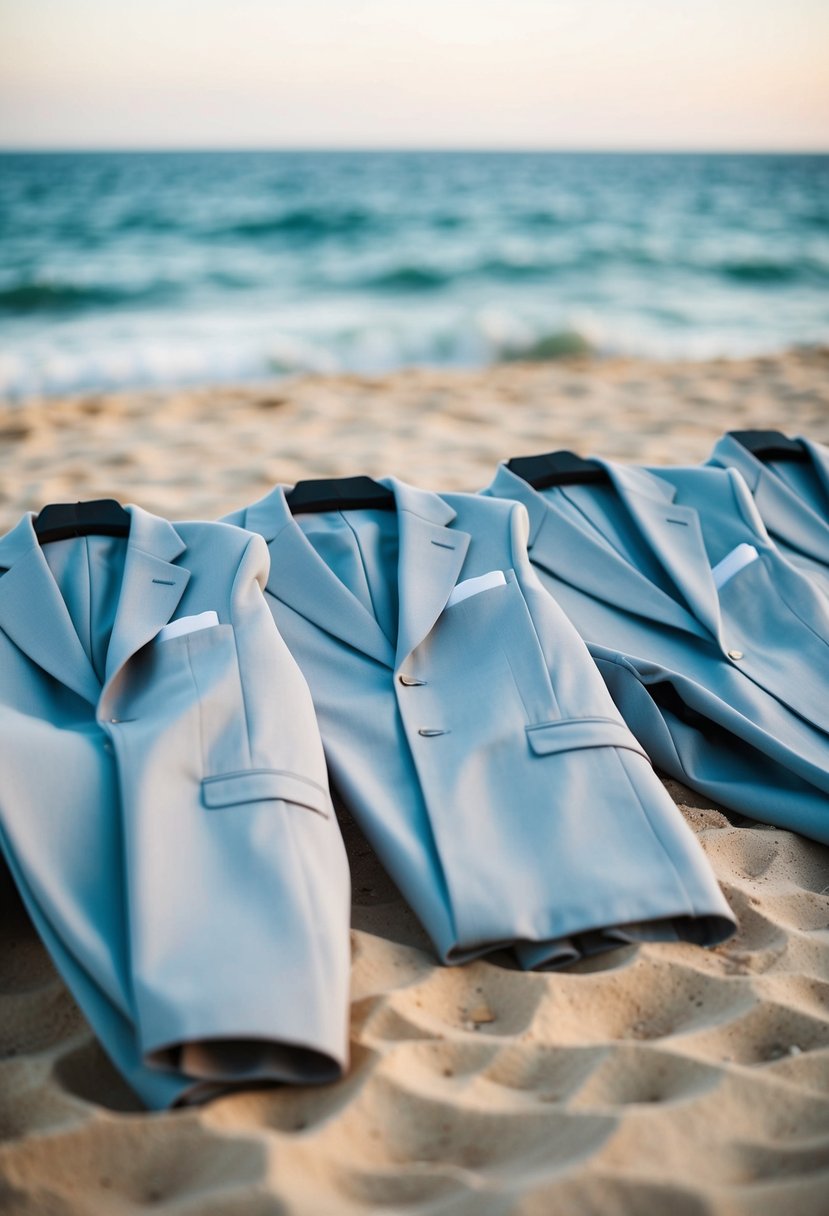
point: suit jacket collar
(34, 614)
(300, 578)
(151, 588)
(785, 514)
(431, 555)
(577, 555)
(820, 461)
(675, 537)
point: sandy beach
(658, 1079)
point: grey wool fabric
(474, 740)
(164, 806)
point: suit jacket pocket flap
(230, 789)
(571, 734)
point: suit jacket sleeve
(239, 882)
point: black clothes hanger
(771, 445)
(340, 494)
(101, 517)
(557, 469)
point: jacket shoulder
(218, 542)
(474, 511)
(718, 494)
(496, 520)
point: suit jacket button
(735, 654)
(410, 681)
(428, 734)
(115, 720)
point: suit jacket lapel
(151, 588)
(301, 579)
(784, 513)
(675, 537)
(430, 559)
(577, 555)
(820, 461)
(34, 614)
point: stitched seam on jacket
(542, 658)
(741, 506)
(242, 693)
(236, 647)
(280, 772)
(311, 919)
(505, 652)
(89, 618)
(797, 615)
(634, 746)
(688, 902)
(583, 718)
(198, 703)
(355, 534)
(621, 660)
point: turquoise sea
(121, 269)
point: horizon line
(494, 149)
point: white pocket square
(187, 624)
(732, 563)
(474, 586)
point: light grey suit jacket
(474, 742)
(727, 690)
(793, 501)
(164, 806)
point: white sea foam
(122, 270)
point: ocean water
(120, 269)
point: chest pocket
(214, 667)
(494, 630)
(193, 682)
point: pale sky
(626, 74)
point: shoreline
(442, 428)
